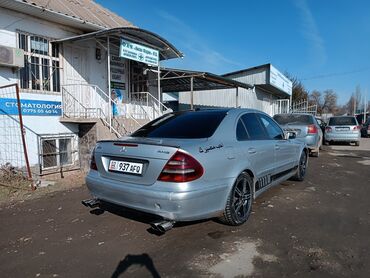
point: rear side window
(273, 130)
(294, 119)
(187, 125)
(254, 128)
(342, 121)
(241, 132)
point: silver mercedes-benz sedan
(194, 165)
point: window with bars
(56, 152)
(42, 68)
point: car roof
(349, 116)
(230, 110)
(301, 114)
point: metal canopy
(273, 90)
(177, 80)
(141, 36)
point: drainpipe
(191, 93)
(159, 89)
(109, 87)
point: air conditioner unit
(11, 57)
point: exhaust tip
(91, 203)
(162, 226)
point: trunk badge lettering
(123, 150)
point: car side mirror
(290, 135)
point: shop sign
(117, 69)
(280, 81)
(30, 107)
(137, 52)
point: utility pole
(365, 107)
(354, 104)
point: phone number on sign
(40, 111)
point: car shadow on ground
(139, 216)
(140, 260)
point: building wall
(35, 126)
(252, 77)
(252, 98)
(11, 21)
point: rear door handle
(252, 150)
(277, 147)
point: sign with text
(280, 81)
(30, 107)
(137, 52)
(118, 69)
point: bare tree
(330, 101)
(357, 97)
(326, 102)
(350, 106)
(299, 92)
(315, 98)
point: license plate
(126, 167)
(342, 128)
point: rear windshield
(293, 119)
(342, 121)
(188, 125)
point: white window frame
(49, 57)
(57, 137)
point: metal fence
(303, 106)
(13, 147)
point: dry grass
(15, 187)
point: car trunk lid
(344, 129)
(137, 161)
(299, 130)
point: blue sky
(325, 43)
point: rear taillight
(181, 168)
(93, 162)
(357, 127)
(328, 129)
(312, 129)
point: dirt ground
(317, 228)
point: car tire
(302, 167)
(239, 203)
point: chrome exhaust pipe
(162, 225)
(91, 203)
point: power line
(321, 76)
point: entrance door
(75, 79)
(75, 65)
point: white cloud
(206, 57)
(311, 32)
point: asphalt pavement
(316, 228)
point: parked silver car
(343, 129)
(305, 126)
(365, 129)
(196, 164)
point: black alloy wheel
(239, 203)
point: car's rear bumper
(312, 141)
(203, 203)
(346, 137)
